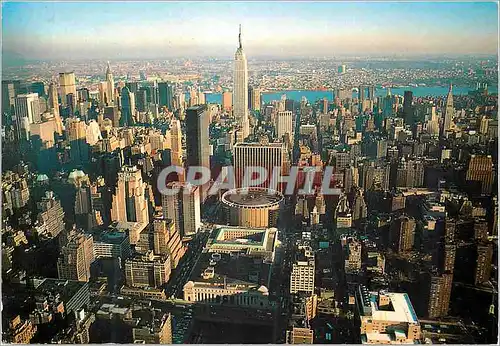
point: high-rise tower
(67, 83)
(240, 89)
(130, 202)
(110, 85)
(197, 140)
(176, 142)
(54, 106)
(448, 112)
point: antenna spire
(239, 37)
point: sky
(114, 30)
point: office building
(183, 208)
(166, 95)
(448, 111)
(284, 124)
(352, 254)
(439, 295)
(197, 140)
(130, 203)
(53, 106)
(360, 210)
(254, 242)
(227, 101)
(254, 98)
(8, 97)
(230, 282)
(20, 331)
(240, 90)
(481, 170)
(343, 213)
(110, 97)
(386, 318)
(112, 113)
(67, 84)
(176, 142)
(153, 327)
(302, 276)
(76, 256)
(112, 244)
(27, 112)
(51, 215)
(403, 234)
(267, 156)
(38, 88)
(483, 263)
(167, 241)
(408, 107)
(76, 133)
(127, 108)
(300, 335)
(73, 295)
(147, 270)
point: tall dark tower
(408, 107)
(127, 108)
(197, 139)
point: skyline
(102, 30)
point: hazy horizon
(155, 30)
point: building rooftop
(252, 197)
(231, 270)
(65, 288)
(111, 236)
(399, 309)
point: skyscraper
(302, 276)
(8, 97)
(166, 95)
(51, 214)
(76, 257)
(67, 84)
(27, 111)
(483, 263)
(481, 169)
(183, 208)
(227, 101)
(54, 107)
(262, 155)
(359, 206)
(129, 201)
(240, 89)
(439, 297)
(408, 107)
(197, 140)
(403, 234)
(449, 110)
(76, 132)
(110, 86)
(284, 124)
(166, 240)
(176, 142)
(128, 107)
(256, 99)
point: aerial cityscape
(249, 172)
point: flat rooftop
(401, 308)
(112, 236)
(233, 269)
(66, 288)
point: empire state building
(240, 89)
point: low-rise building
(386, 318)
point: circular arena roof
(252, 197)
